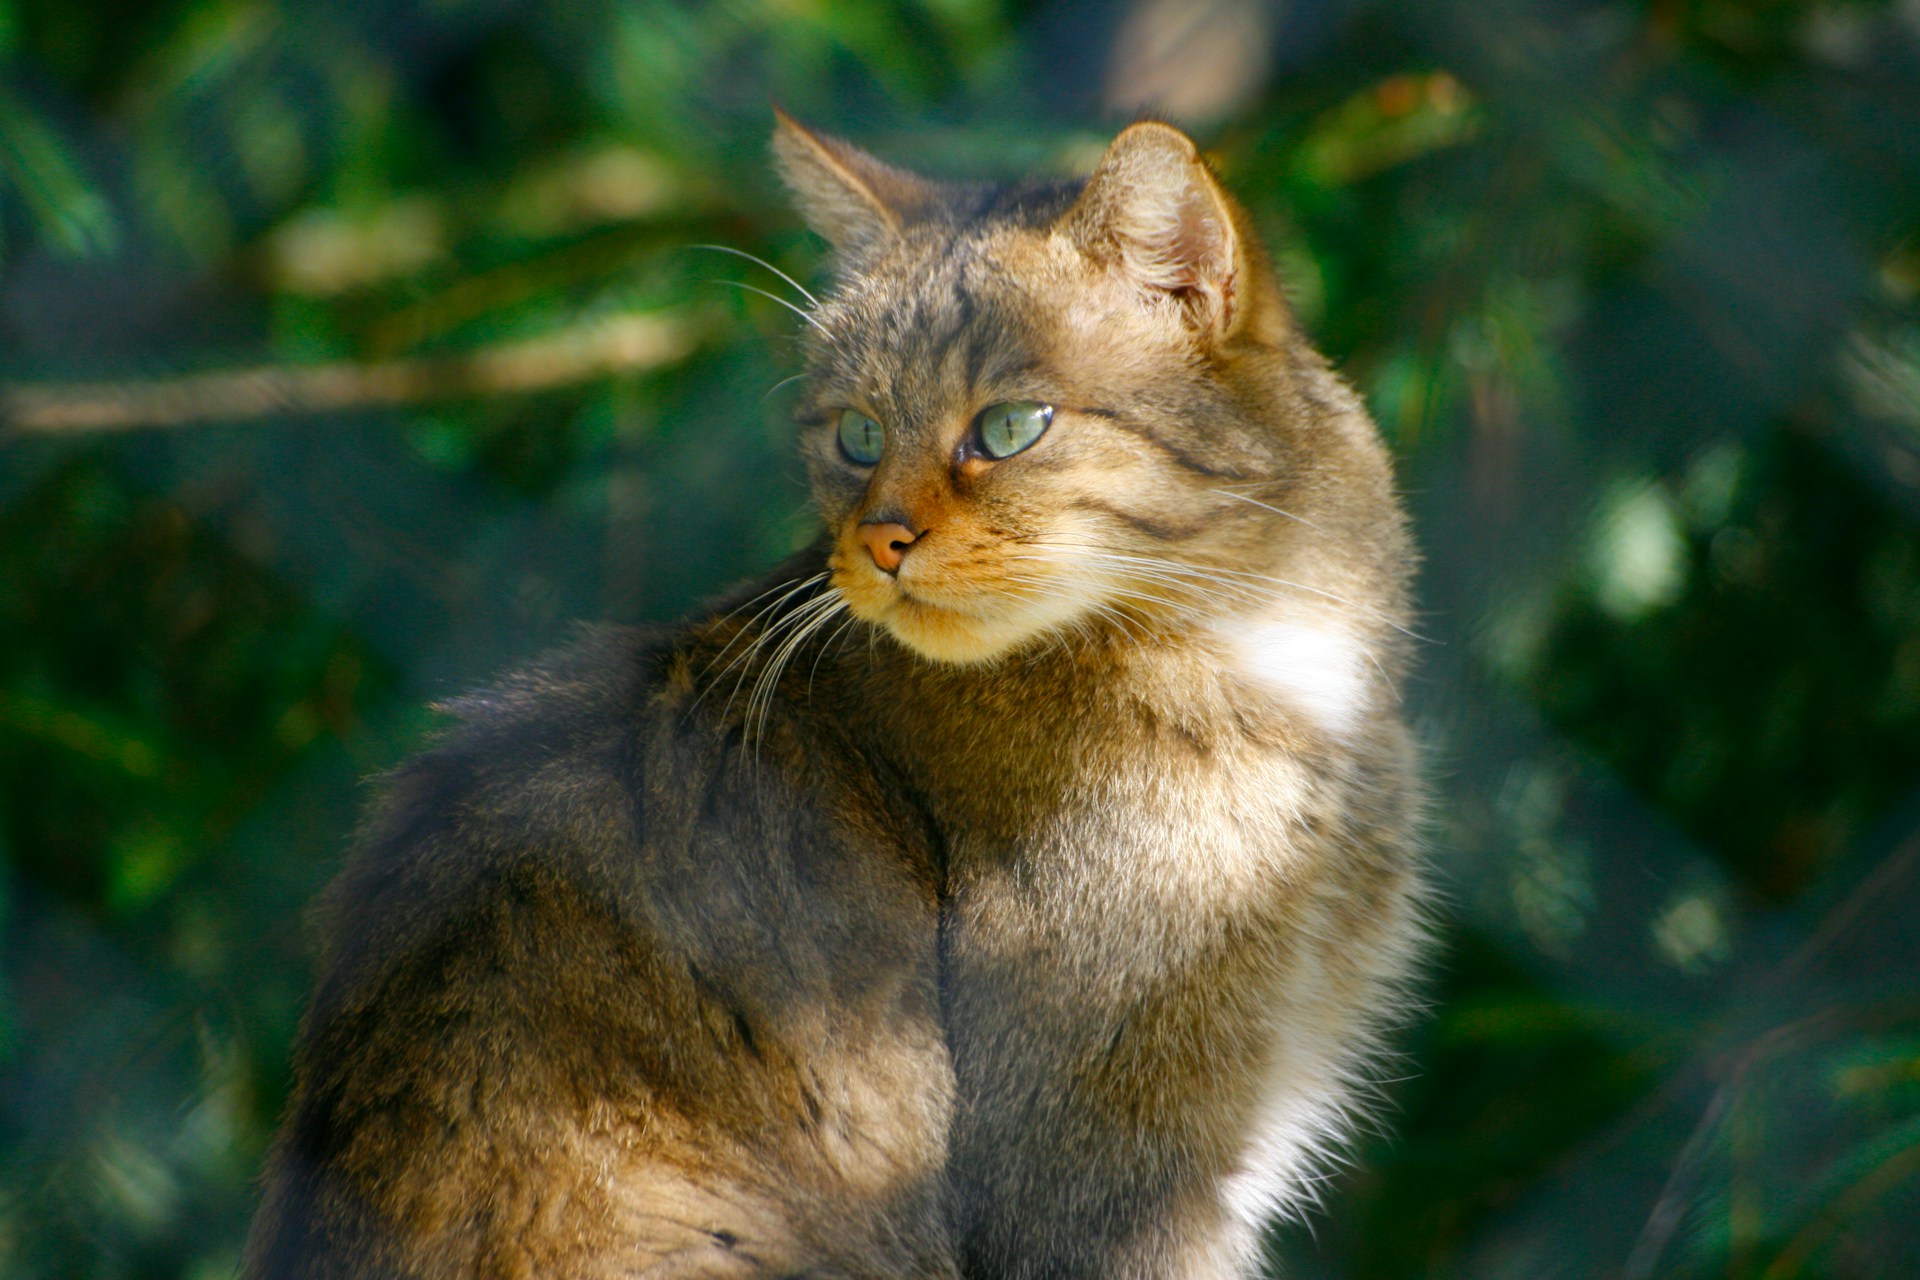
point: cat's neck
(1044, 727)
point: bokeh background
(352, 350)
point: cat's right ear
(1154, 210)
(854, 201)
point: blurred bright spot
(79, 733)
(1900, 270)
(1883, 375)
(211, 1137)
(297, 726)
(597, 186)
(221, 1265)
(322, 252)
(1692, 932)
(1515, 631)
(1711, 483)
(1838, 34)
(1638, 556)
(1191, 63)
(1302, 279)
(37, 169)
(1552, 876)
(136, 1181)
(1401, 118)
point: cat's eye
(861, 438)
(1006, 429)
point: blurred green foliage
(331, 297)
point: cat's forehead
(945, 309)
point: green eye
(861, 437)
(1006, 429)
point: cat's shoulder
(537, 743)
(570, 700)
(528, 772)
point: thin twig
(616, 344)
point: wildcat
(1015, 884)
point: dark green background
(1632, 288)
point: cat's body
(611, 991)
(1034, 920)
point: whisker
(794, 583)
(776, 386)
(767, 680)
(774, 297)
(1185, 578)
(1214, 572)
(793, 586)
(1228, 493)
(757, 259)
(827, 645)
(761, 641)
(767, 687)
(1146, 597)
(794, 623)
(1138, 571)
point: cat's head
(1050, 406)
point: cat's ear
(1153, 208)
(854, 201)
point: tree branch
(617, 344)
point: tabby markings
(1180, 456)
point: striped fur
(1036, 911)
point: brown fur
(1029, 914)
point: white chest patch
(1315, 667)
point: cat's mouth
(948, 616)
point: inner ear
(1152, 208)
(852, 200)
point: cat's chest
(1160, 850)
(1211, 782)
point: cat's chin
(957, 618)
(949, 635)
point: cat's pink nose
(887, 543)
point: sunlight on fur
(1018, 883)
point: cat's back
(614, 984)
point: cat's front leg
(1107, 1116)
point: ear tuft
(852, 200)
(1152, 207)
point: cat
(1017, 883)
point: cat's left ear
(854, 201)
(1154, 208)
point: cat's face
(1016, 421)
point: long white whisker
(794, 623)
(761, 641)
(767, 687)
(1120, 590)
(755, 258)
(793, 587)
(774, 297)
(789, 587)
(1173, 575)
(1228, 493)
(1214, 572)
(767, 681)
(793, 583)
